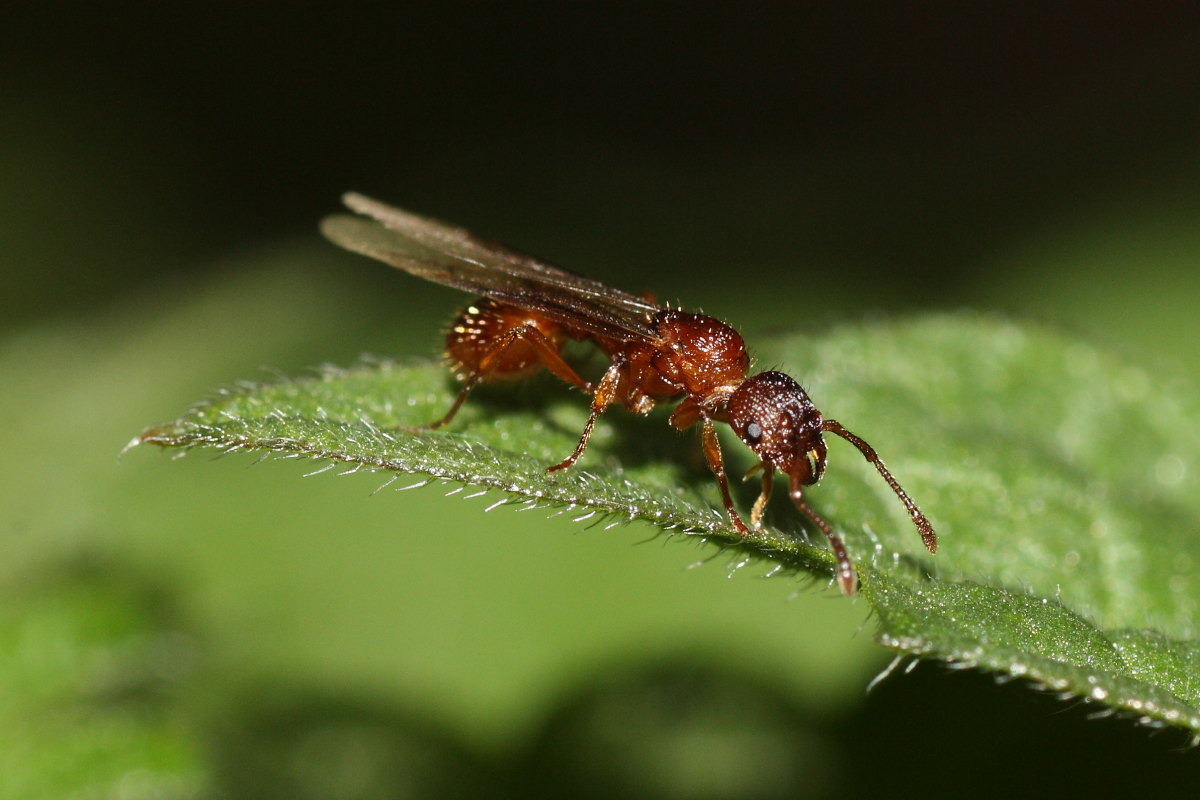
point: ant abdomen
(493, 341)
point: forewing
(454, 257)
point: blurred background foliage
(199, 628)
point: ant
(527, 312)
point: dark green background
(163, 168)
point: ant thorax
(699, 354)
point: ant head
(772, 414)
(775, 418)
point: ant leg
(470, 384)
(760, 505)
(846, 577)
(923, 525)
(685, 414)
(712, 450)
(606, 392)
(546, 353)
(544, 350)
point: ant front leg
(712, 451)
(686, 414)
(760, 505)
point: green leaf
(1062, 482)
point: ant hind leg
(471, 382)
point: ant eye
(754, 431)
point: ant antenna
(918, 518)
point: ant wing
(457, 258)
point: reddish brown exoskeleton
(527, 312)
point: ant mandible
(527, 312)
